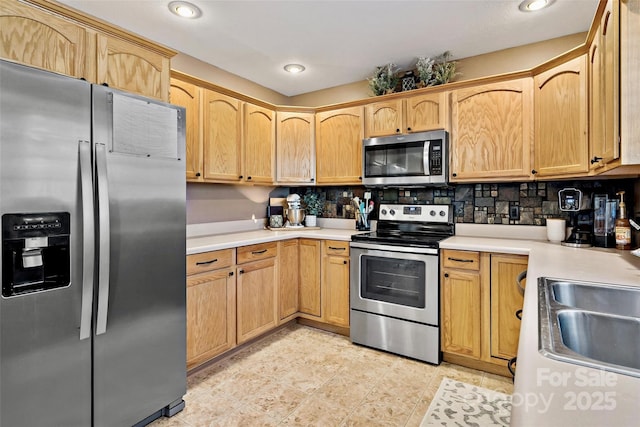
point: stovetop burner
(411, 225)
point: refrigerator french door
(92, 197)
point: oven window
(393, 280)
(394, 160)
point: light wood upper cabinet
(123, 65)
(295, 157)
(492, 131)
(40, 39)
(310, 277)
(604, 89)
(257, 290)
(560, 100)
(416, 113)
(222, 137)
(259, 144)
(335, 282)
(505, 301)
(339, 135)
(288, 277)
(187, 95)
(461, 310)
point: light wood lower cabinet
(479, 300)
(309, 267)
(211, 305)
(335, 282)
(256, 290)
(288, 278)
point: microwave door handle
(425, 158)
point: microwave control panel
(435, 157)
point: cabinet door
(604, 88)
(123, 65)
(461, 312)
(383, 118)
(505, 301)
(259, 144)
(335, 280)
(560, 99)
(310, 277)
(491, 132)
(187, 95)
(211, 315)
(339, 135)
(426, 112)
(222, 137)
(39, 39)
(288, 277)
(296, 162)
(256, 288)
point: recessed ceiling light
(294, 68)
(185, 9)
(534, 5)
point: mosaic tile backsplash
(527, 203)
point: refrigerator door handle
(88, 238)
(104, 243)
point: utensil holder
(362, 221)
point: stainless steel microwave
(406, 160)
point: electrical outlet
(514, 212)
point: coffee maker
(573, 201)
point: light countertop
(553, 393)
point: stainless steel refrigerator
(92, 198)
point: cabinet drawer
(465, 260)
(208, 261)
(256, 252)
(336, 247)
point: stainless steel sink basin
(621, 300)
(613, 340)
(591, 324)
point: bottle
(623, 227)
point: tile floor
(301, 376)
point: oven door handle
(405, 249)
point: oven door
(395, 281)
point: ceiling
(338, 41)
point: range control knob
(383, 211)
(392, 212)
(432, 213)
(442, 213)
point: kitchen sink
(620, 300)
(590, 324)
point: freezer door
(45, 368)
(140, 344)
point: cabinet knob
(360, 178)
(595, 159)
(248, 177)
(408, 129)
(344, 262)
(446, 274)
(230, 273)
(312, 179)
(454, 174)
(240, 177)
(397, 130)
(197, 173)
(533, 171)
(240, 271)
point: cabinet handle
(240, 271)
(336, 249)
(258, 252)
(446, 274)
(197, 173)
(519, 314)
(207, 262)
(511, 366)
(344, 262)
(595, 159)
(459, 259)
(454, 174)
(533, 171)
(519, 280)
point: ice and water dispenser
(35, 252)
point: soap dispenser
(623, 227)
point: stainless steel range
(394, 281)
